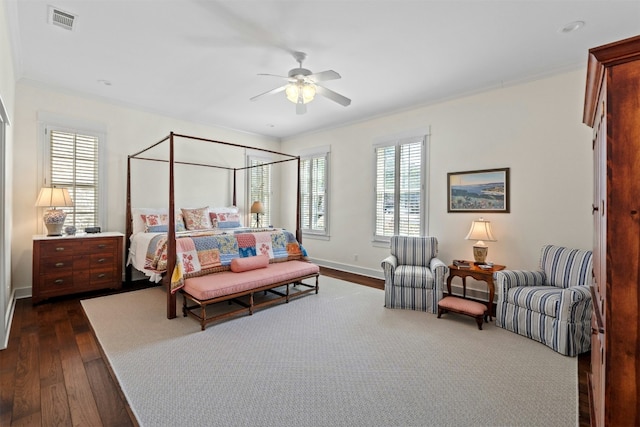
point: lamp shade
(480, 230)
(257, 207)
(54, 197)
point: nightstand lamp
(257, 208)
(480, 231)
(53, 198)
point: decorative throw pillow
(196, 219)
(239, 265)
(228, 220)
(158, 223)
(214, 219)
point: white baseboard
(23, 292)
(376, 274)
(456, 289)
(8, 320)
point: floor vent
(61, 18)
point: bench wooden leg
(479, 322)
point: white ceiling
(199, 60)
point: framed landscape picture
(478, 191)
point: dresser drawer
(56, 248)
(56, 264)
(100, 260)
(97, 246)
(102, 276)
(55, 284)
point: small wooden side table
(482, 274)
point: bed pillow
(197, 219)
(225, 217)
(238, 265)
(137, 223)
(159, 222)
(228, 220)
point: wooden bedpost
(171, 237)
(298, 198)
(235, 171)
(129, 226)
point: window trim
(51, 121)
(424, 177)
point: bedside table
(485, 275)
(64, 265)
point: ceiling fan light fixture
(308, 92)
(295, 91)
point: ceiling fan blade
(342, 100)
(301, 108)
(273, 75)
(269, 92)
(324, 76)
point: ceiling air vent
(61, 18)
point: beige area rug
(338, 358)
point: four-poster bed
(215, 280)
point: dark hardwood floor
(53, 372)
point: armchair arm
(506, 279)
(575, 304)
(389, 265)
(439, 270)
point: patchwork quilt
(203, 252)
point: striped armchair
(414, 276)
(553, 305)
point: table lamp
(52, 198)
(480, 231)
(257, 208)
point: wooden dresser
(70, 264)
(612, 109)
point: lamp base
(480, 254)
(54, 229)
(54, 221)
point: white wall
(7, 102)
(535, 129)
(128, 131)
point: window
(73, 162)
(260, 188)
(400, 194)
(313, 189)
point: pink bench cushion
(462, 305)
(238, 265)
(227, 282)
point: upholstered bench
(463, 306)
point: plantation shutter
(410, 187)
(305, 194)
(313, 204)
(260, 189)
(385, 190)
(73, 162)
(399, 190)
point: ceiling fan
(303, 86)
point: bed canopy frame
(173, 139)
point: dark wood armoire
(612, 109)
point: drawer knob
(101, 276)
(102, 246)
(59, 249)
(58, 281)
(101, 260)
(59, 264)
